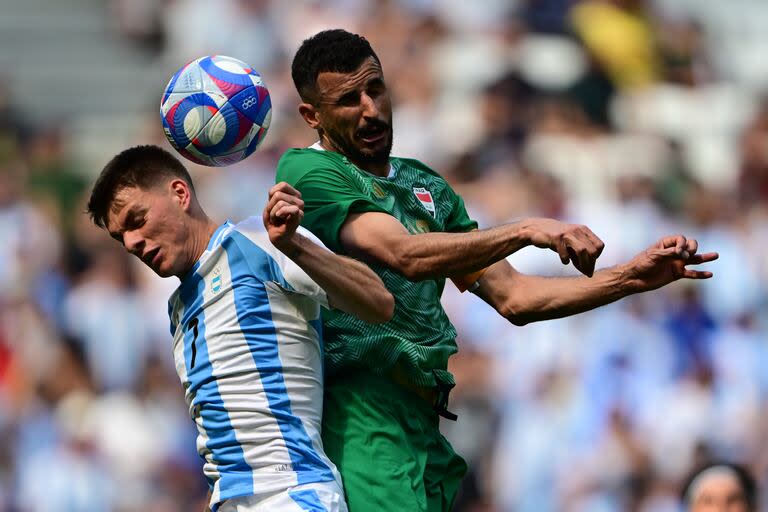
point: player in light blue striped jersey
(245, 322)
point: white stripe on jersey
(248, 353)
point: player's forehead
(333, 83)
(127, 200)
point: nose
(368, 106)
(133, 242)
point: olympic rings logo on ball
(249, 102)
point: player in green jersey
(386, 384)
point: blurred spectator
(753, 177)
(101, 310)
(720, 486)
(619, 35)
(31, 242)
(53, 178)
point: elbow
(515, 313)
(410, 266)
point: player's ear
(309, 114)
(181, 192)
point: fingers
(697, 259)
(284, 188)
(696, 274)
(680, 244)
(562, 251)
(284, 212)
(693, 259)
(282, 196)
(583, 247)
(692, 246)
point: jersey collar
(392, 171)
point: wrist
(525, 232)
(626, 279)
(291, 245)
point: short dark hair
(139, 166)
(334, 50)
(745, 478)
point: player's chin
(376, 152)
(163, 272)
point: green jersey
(419, 339)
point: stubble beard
(361, 158)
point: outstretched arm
(350, 285)
(374, 236)
(523, 298)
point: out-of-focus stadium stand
(637, 118)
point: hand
(665, 262)
(283, 214)
(572, 242)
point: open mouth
(372, 132)
(149, 258)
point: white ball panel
(190, 80)
(231, 65)
(267, 120)
(195, 120)
(214, 131)
(257, 81)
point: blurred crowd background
(636, 118)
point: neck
(207, 229)
(201, 235)
(378, 169)
(381, 170)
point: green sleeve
(330, 192)
(458, 220)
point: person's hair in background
(719, 487)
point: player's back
(246, 326)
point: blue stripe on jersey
(308, 500)
(171, 316)
(246, 260)
(235, 473)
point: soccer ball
(216, 110)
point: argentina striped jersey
(247, 348)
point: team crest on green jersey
(425, 198)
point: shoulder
(250, 234)
(251, 231)
(298, 162)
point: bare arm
(523, 298)
(379, 237)
(350, 285)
